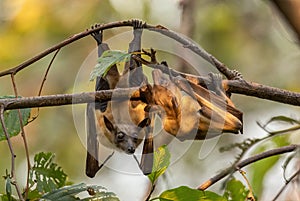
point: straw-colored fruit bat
(197, 113)
(117, 124)
(187, 109)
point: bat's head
(126, 137)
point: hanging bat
(108, 122)
(191, 115)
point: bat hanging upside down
(188, 110)
(118, 124)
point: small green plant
(49, 182)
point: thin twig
(23, 134)
(42, 84)
(13, 156)
(286, 184)
(64, 43)
(47, 71)
(150, 193)
(246, 162)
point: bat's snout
(130, 150)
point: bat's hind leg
(217, 87)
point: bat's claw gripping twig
(237, 75)
(97, 35)
(138, 24)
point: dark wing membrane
(92, 165)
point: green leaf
(68, 193)
(235, 190)
(46, 174)
(7, 198)
(160, 164)
(107, 60)
(184, 193)
(33, 194)
(11, 120)
(260, 168)
(281, 140)
(8, 187)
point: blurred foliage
(48, 182)
(246, 35)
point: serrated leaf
(46, 174)
(235, 190)
(68, 193)
(12, 122)
(33, 194)
(184, 193)
(160, 164)
(107, 60)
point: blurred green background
(246, 35)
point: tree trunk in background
(187, 27)
(290, 9)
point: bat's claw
(138, 24)
(97, 35)
(237, 75)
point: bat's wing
(93, 129)
(216, 112)
(211, 109)
(136, 78)
(92, 164)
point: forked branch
(238, 86)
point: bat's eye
(120, 136)
(135, 138)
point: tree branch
(266, 154)
(233, 86)
(67, 99)
(263, 91)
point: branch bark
(263, 91)
(234, 86)
(67, 99)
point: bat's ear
(144, 123)
(108, 124)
